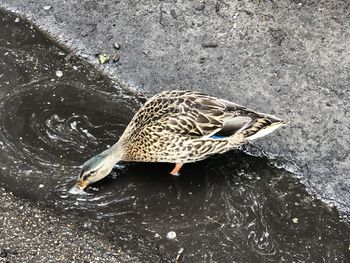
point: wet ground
(56, 112)
(289, 58)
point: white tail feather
(265, 131)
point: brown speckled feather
(187, 126)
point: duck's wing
(196, 114)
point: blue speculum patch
(217, 137)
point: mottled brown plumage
(187, 126)
(181, 127)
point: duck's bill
(78, 188)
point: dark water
(230, 208)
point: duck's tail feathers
(262, 126)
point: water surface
(56, 112)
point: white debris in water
(156, 235)
(41, 185)
(87, 224)
(76, 191)
(181, 250)
(171, 235)
(295, 220)
(59, 73)
(17, 20)
(47, 7)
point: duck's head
(93, 170)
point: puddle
(55, 114)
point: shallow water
(230, 208)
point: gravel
(31, 233)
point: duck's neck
(115, 152)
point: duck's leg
(175, 171)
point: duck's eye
(85, 177)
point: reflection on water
(230, 208)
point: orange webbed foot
(175, 171)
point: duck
(179, 127)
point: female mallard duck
(180, 127)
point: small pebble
(171, 235)
(41, 185)
(199, 7)
(84, 33)
(173, 13)
(116, 45)
(17, 20)
(217, 7)
(210, 45)
(59, 73)
(295, 220)
(47, 7)
(115, 58)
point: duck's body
(186, 126)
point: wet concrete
(289, 58)
(56, 111)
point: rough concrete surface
(289, 58)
